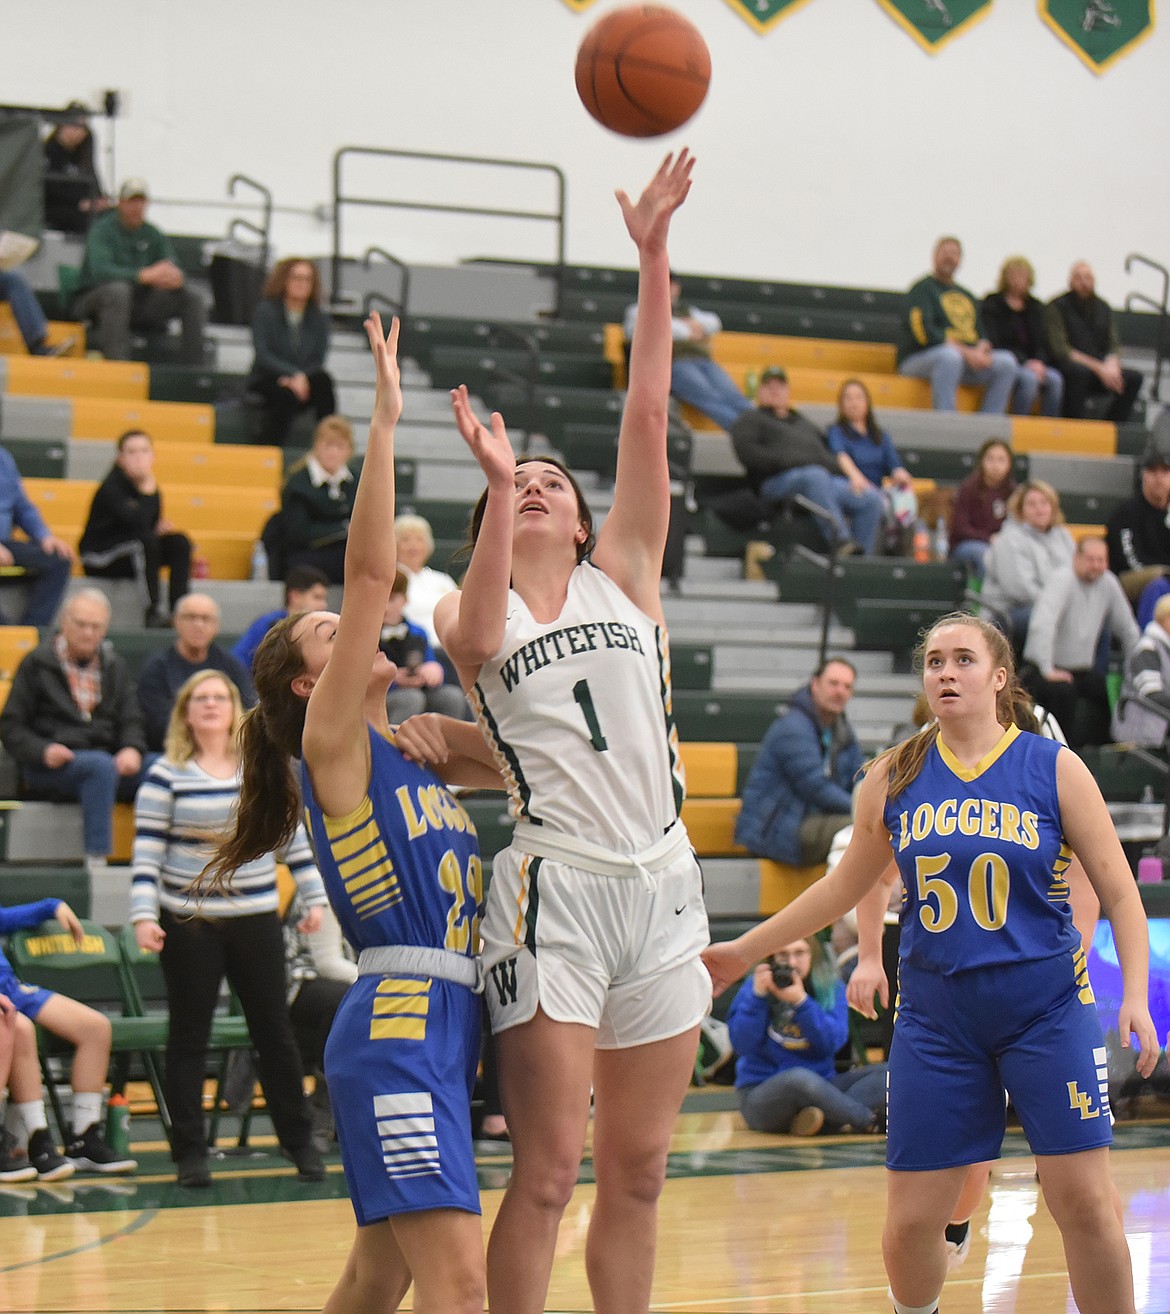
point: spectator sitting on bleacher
(943, 340)
(785, 454)
(290, 334)
(1063, 667)
(980, 504)
(196, 622)
(1032, 544)
(1085, 344)
(30, 318)
(87, 1030)
(421, 683)
(126, 535)
(1014, 321)
(798, 793)
(1137, 532)
(44, 557)
(1147, 675)
(73, 724)
(317, 501)
(694, 377)
(424, 584)
(787, 1023)
(867, 457)
(129, 280)
(73, 190)
(305, 589)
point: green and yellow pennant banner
(580, 5)
(764, 14)
(932, 23)
(1099, 31)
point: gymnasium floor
(749, 1224)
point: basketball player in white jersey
(595, 917)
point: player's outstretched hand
(384, 348)
(648, 220)
(1135, 1019)
(491, 448)
(726, 964)
(868, 979)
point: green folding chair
(91, 972)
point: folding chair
(91, 972)
(146, 996)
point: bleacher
(740, 648)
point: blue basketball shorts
(961, 1041)
(27, 999)
(401, 1061)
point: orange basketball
(643, 70)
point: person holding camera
(420, 684)
(787, 1023)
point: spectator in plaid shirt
(73, 724)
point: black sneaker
(42, 1154)
(14, 1163)
(192, 1172)
(310, 1165)
(91, 1154)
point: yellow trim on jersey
(1058, 891)
(362, 861)
(987, 760)
(339, 825)
(1081, 974)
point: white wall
(832, 149)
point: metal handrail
(404, 291)
(527, 380)
(340, 200)
(264, 228)
(1140, 298)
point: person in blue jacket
(799, 791)
(787, 1023)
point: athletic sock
(899, 1308)
(31, 1117)
(87, 1109)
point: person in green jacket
(943, 340)
(129, 280)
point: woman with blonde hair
(1013, 319)
(983, 820)
(187, 799)
(1031, 545)
(317, 501)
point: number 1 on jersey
(584, 700)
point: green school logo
(1099, 31)
(932, 23)
(763, 14)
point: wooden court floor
(749, 1224)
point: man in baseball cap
(130, 280)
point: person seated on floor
(787, 1023)
(163, 674)
(868, 457)
(694, 377)
(1031, 545)
(317, 501)
(305, 589)
(126, 535)
(87, 1030)
(420, 685)
(290, 336)
(784, 454)
(46, 559)
(979, 507)
(73, 724)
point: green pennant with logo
(763, 14)
(1099, 31)
(932, 23)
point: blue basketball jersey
(403, 868)
(983, 859)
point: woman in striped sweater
(187, 801)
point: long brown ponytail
(270, 737)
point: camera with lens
(783, 974)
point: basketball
(643, 70)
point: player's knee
(96, 1030)
(636, 1177)
(1081, 1209)
(551, 1186)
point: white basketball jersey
(578, 712)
